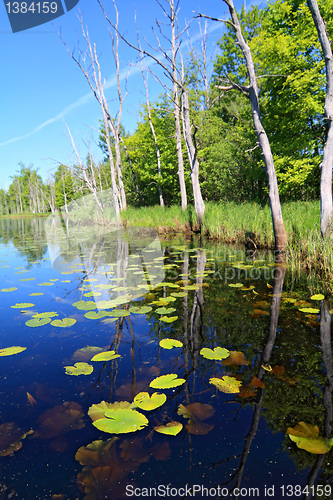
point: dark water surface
(232, 444)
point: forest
(198, 143)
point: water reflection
(202, 296)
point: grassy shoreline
(232, 223)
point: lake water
(125, 291)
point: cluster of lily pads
(123, 417)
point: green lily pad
(84, 305)
(47, 283)
(165, 310)
(63, 323)
(190, 287)
(121, 421)
(226, 384)
(168, 319)
(105, 356)
(35, 294)
(318, 296)
(23, 305)
(119, 313)
(168, 284)
(97, 411)
(38, 322)
(95, 315)
(170, 343)
(9, 289)
(79, 368)
(179, 294)
(306, 436)
(309, 310)
(146, 402)
(217, 353)
(167, 381)
(171, 429)
(50, 314)
(9, 351)
(140, 310)
(236, 285)
(93, 294)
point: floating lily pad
(10, 438)
(121, 421)
(170, 343)
(165, 310)
(171, 429)
(140, 310)
(168, 319)
(84, 305)
(23, 305)
(35, 294)
(79, 369)
(167, 381)
(63, 323)
(50, 314)
(318, 296)
(97, 411)
(179, 294)
(168, 284)
(226, 384)
(216, 353)
(93, 294)
(309, 310)
(236, 285)
(47, 283)
(95, 315)
(119, 313)
(146, 402)
(306, 436)
(9, 351)
(38, 322)
(105, 356)
(12, 289)
(190, 287)
(235, 358)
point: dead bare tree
(88, 178)
(168, 60)
(251, 91)
(89, 64)
(326, 205)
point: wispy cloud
(111, 82)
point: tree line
(205, 138)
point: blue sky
(43, 91)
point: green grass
(235, 223)
(231, 222)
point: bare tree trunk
(199, 204)
(176, 110)
(115, 127)
(252, 93)
(93, 76)
(326, 206)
